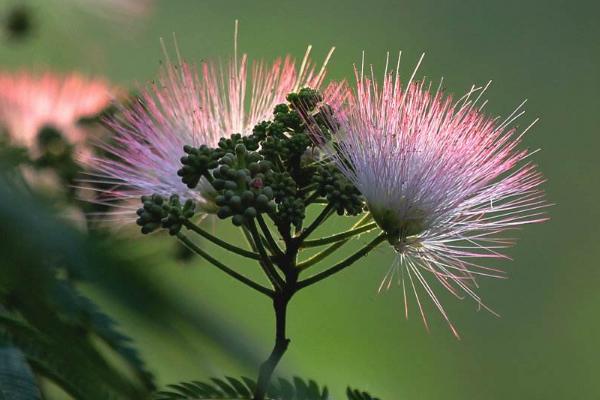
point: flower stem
(343, 264)
(239, 277)
(268, 236)
(363, 222)
(340, 236)
(315, 224)
(265, 261)
(227, 246)
(267, 368)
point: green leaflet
(17, 381)
(239, 389)
(354, 394)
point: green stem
(307, 188)
(320, 201)
(340, 236)
(266, 262)
(312, 198)
(320, 256)
(331, 249)
(223, 267)
(315, 224)
(343, 264)
(227, 246)
(248, 237)
(281, 344)
(269, 237)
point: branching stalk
(343, 264)
(266, 262)
(239, 277)
(338, 237)
(267, 368)
(318, 221)
(227, 246)
(331, 249)
(268, 236)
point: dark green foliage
(233, 389)
(11, 156)
(354, 394)
(79, 310)
(58, 155)
(17, 381)
(43, 315)
(66, 365)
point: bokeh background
(546, 345)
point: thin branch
(227, 246)
(241, 278)
(266, 262)
(331, 249)
(343, 264)
(309, 262)
(281, 344)
(306, 189)
(248, 237)
(269, 237)
(340, 236)
(315, 224)
(312, 198)
(320, 201)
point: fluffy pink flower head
(194, 106)
(441, 178)
(29, 102)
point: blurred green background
(546, 345)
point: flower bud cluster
(267, 172)
(240, 181)
(227, 145)
(197, 163)
(291, 211)
(157, 213)
(338, 190)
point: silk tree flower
(441, 178)
(189, 105)
(29, 102)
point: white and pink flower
(441, 178)
(193, 106)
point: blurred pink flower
(115, 9)
(444, 180)
(30, 101)
(193, 106)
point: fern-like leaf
(16, 378)
(242, 389)
(84, 313)
(50, 360)
(354, 394)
